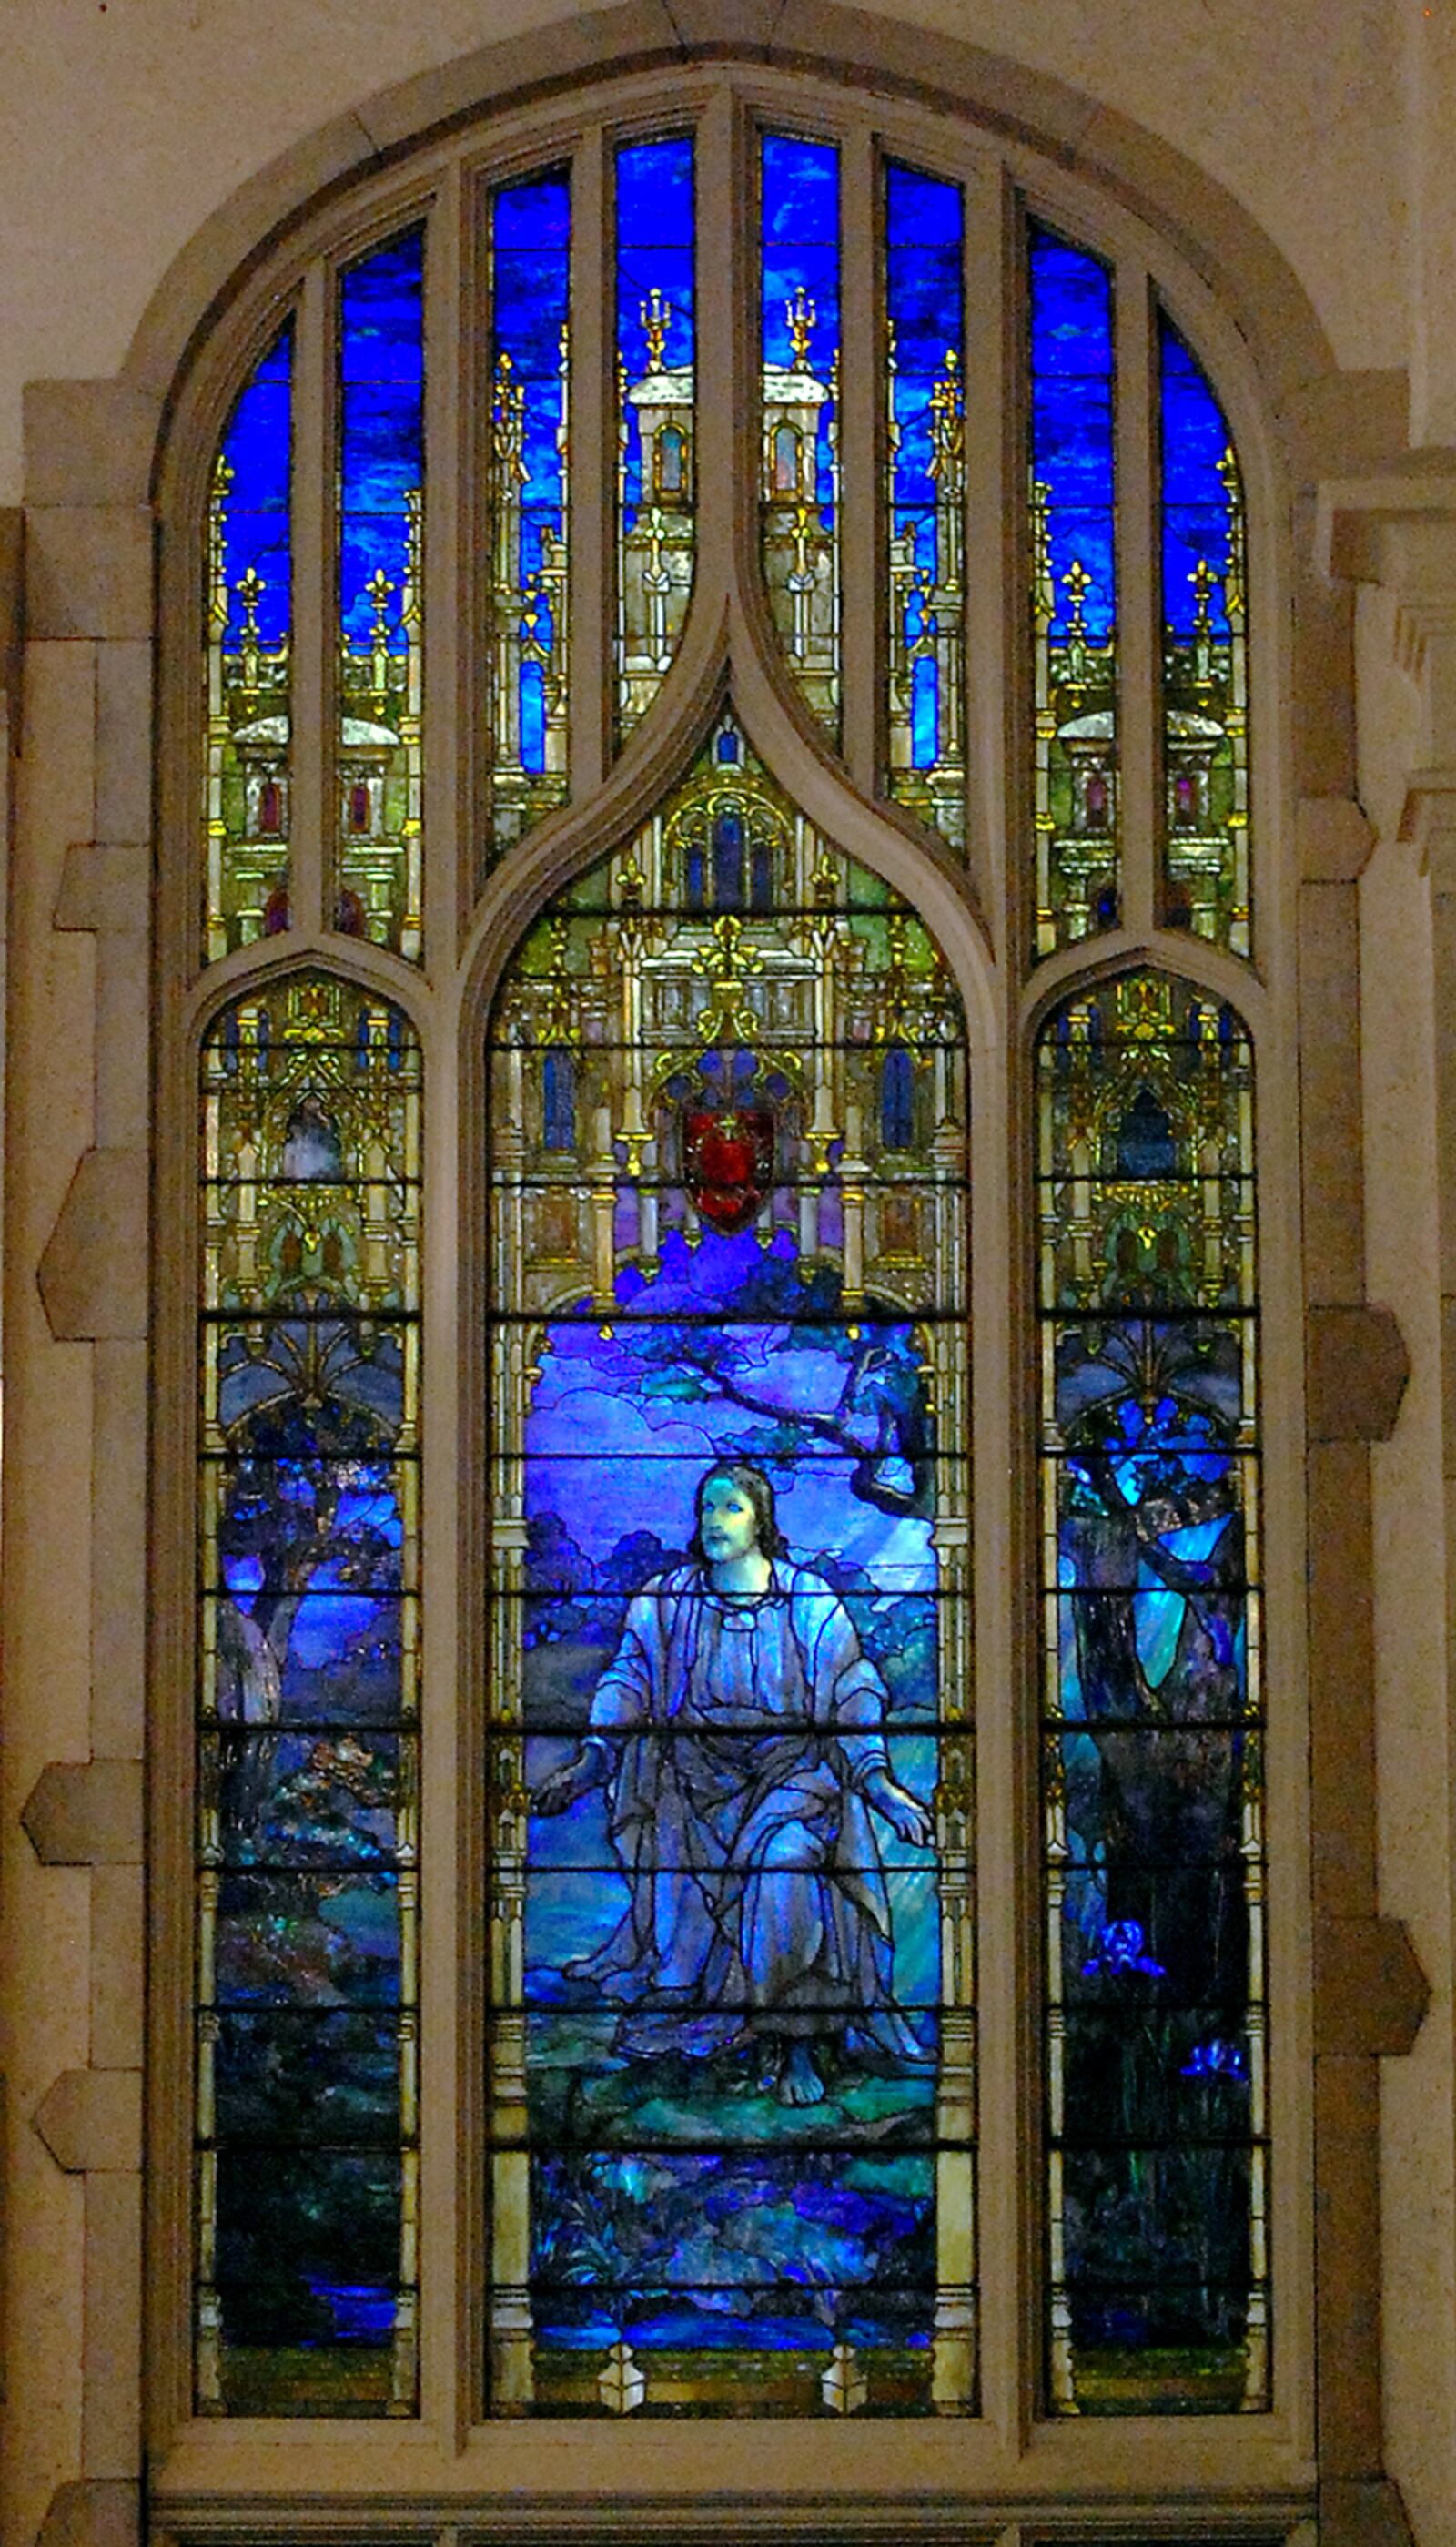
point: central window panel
(730, 2051)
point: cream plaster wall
(123, 123)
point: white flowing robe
(743, 1734)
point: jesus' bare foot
(799, 2081)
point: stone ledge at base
(1363, 2514)
(90, 2120)
(86, 1812)
(1370, 1992)
(93, 1273)
(1356, 1368)
(92, 2512)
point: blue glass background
(655, 246)
(1071, 421)
(674, 2211)
(924, 269)
(381, 456)
(530, 286)
(1196, 512)
(924, 221)
(801, 247)
(258, 443)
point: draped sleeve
(848, 1689)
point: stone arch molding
(110, 454)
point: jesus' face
(728, 1523)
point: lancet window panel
(925, 508)
(800, 289)
(1205, 658)
(1152, 1736)
(656, 476)
(380, 737)
(307, 1706)
(247, 672)
(732, 2028)
(1077, 792)
(528, 593)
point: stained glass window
(730, 2082)
(249, 627)
(382, 463)
(528, 580)
(925, 510)
(724, 2117)
(799, 420)
(657, 503)
(1076, 809)
(307, 2052)
(1153, 1741)
(1205, 678)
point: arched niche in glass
(1153, 1733)
(731, 2057)
(307, 1705)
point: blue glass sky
(258, 442)
(1072, 419)
(531, 249)
(655, 246)
(922, 278)
(1196, 514)
(800, 234)
(381, 386)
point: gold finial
(947, 416)
(656, 319)
(1078, 584)
(1203, 580)
(377, 593)
(508, 414)
(803, 317)
(250, 588)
